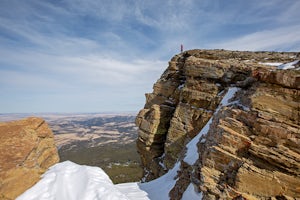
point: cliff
(27, 150)
(247, 148)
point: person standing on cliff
(181, 48)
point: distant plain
(103, 140)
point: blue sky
(103, 55)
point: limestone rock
(251, 150)
(27, 151)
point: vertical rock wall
(252, 147)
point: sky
(104, 55)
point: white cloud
(167, 16)
(120, 48)
(276, 39)
(22, 81)
(115, 10)
(86, 68)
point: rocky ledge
(252, 147)
(27, 150)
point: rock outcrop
(252, 148)
(27, 150)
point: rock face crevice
(27, 150)
(252, 147)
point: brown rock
(27, 151)
(252, 148)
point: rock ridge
(27, 151)
(251, 150)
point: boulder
(27, 151)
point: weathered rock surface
(252, 149)
(27, 150)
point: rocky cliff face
(27, 150)
(252, 147)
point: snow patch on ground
(190, 193)
(159, 188)
(70, 181)
(132, 191)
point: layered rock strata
(27, 150)
(252, 147)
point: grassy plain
(120, 161)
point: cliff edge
(247, 148)
(27, 150)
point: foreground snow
(70, 181)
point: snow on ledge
(192, 154)
(289, 65)
(270, 64)
(283, 66)
(190, 193)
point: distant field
(103, 140)
(120, 162)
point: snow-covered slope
(70, 181)
(156, 189)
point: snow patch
(203, 140)
(133, 191)
(288, 65)
(68, 180)
(71, 181)
(285, 66)
(190, 193)
(270, 64)
(161, 163)
(238, 103)
(159, 188)
(181, 86)
(192, 155)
